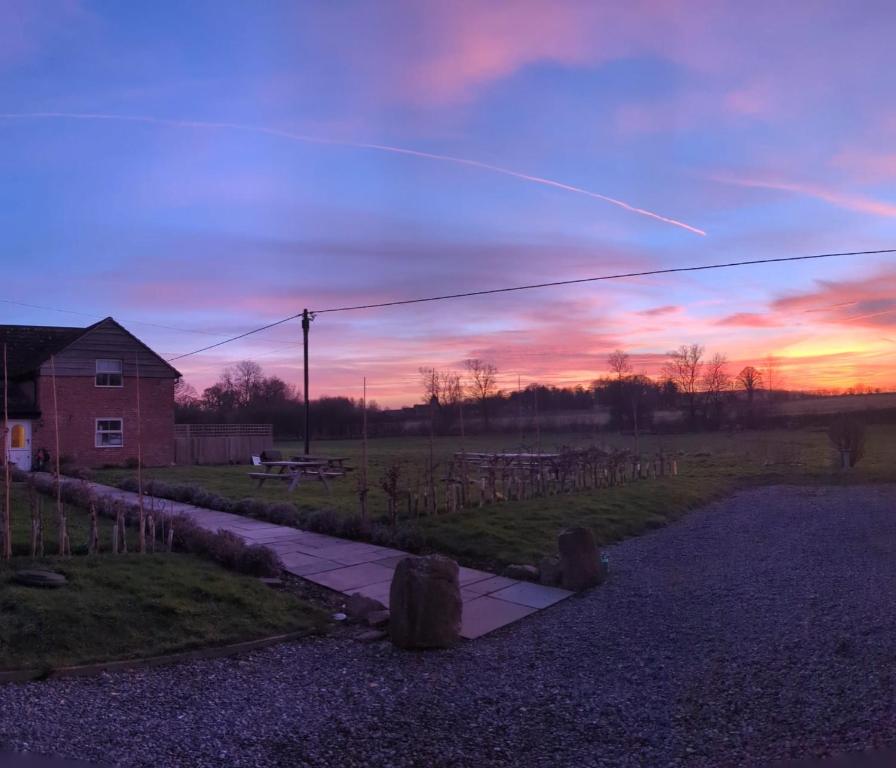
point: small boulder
(37, 578)
(378, 618)
(549, 571)
(521, 572)
(371, 636)
(580, 563)
(424, 603)
(358, 607)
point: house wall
(81, 402)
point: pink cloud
(851, 202)
(867, 302)
(749, 320)
(667, 309)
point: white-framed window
(108, 373)
(109, 433)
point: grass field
(710, 465)
(128, 606)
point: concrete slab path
(489, 602)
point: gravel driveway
(758, 629)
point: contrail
(201, 124)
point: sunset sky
(199, 169)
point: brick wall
(81, 403)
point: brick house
(96, 395)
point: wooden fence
(220, 443)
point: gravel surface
(758, 629)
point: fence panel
(220, 443)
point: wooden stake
(7, 506)
(141, 519)
(60, 510)
(363, 489)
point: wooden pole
(141, 517)
(7, 509)
(60, 511)
(306, 327)
(364, 489)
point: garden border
(121, 665)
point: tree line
(693, 390)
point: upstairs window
(109, 433)
(108, 373)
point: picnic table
(295, 470)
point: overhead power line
(532, 286)
(620, 276)
(235, 338)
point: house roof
(30, 346)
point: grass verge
(129, 606)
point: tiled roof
(28, 346)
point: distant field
(710, 465)
(843, 404)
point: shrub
(80, 473)
(258, 508)
(324, 521)
(409, 539)
(128, 484)
(282, 514)
(350, 527)
(225, 548)
(848, 436)
(157, 488)
(381, 535)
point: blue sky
(245, 192)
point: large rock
(521, 572)
(549, 571)
(424, 603)
(580, 565)
(38, 578)
(359, 607)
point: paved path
(489, 602)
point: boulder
(549, 571)
(424, 603)
(358, 607)
(521, 572)
(378, 618)
(37, 578)
(580, 564)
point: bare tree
(716, 379)
(749, 380)
(444, 387)
(431, 380)
(684, 369)
(452, 388)
(185, 395)
(243, 379)
(483, 384)
(619, 363)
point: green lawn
(128, 606)
(710, 465)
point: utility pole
(306, 326)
